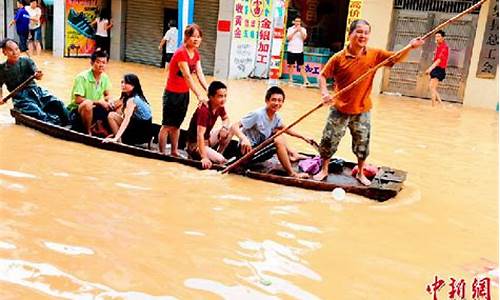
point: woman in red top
(437, 70)
(184, 63)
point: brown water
(78, 222)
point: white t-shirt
(34, 13)
(296, 44)
(101, 27)
(171, 38)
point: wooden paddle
(245, 157)
(19, 88)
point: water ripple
(16, 174)
(50, 280)
(67, 249)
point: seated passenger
(90, 98)
(33, 100)
(202, 140)
(132, 125)
(258, 126)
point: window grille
(447, 6)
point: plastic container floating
(338, 194)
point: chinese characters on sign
(353, 14)
(264, 41)
(488, 59)
(480, 289)
(245, 31)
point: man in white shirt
(171, 39)
(296, 36)
(35, 27)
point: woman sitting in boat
(133, 124)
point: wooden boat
(385, 185)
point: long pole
(245, 157)
(17, 89)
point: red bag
(368, 170)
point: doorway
(408, 78)
(168, 14)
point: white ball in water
(338, 194)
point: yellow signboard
(355, 7)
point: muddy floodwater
(81, 223)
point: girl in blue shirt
(133, 124)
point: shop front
(258, 35)
(325, 22)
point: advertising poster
(245, 34)
(79, 33)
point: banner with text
(355, 9)
(244, 37)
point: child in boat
(132, 125)
(202, 140)
(33, 100)
(259, 125)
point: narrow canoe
(385, 185)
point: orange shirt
(345, 68)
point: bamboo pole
(247, 156)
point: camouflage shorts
(335, 127)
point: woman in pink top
(437, 70)
(184, 63)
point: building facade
(245, 38)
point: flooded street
(78, 222)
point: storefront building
(246, 38)
(251, 42)
(139, 25)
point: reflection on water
(82, 223)
(54, 282)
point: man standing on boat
(201, 138)
(352, 109)
(33, 100)
(90, 97)
(259, 125)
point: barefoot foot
(361, 178)
(320, 176)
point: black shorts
(438, 73)
(292, 58)
(175, 106)
(168, 57)
(137, 132)
(98, 114)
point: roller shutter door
(144, 30)
(205, 15)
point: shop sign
(278, 40)
(354, 13)
(264, 41)
(79, 33)
(488, 59)
(244, 39)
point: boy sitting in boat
(33, 100)
(202, 140)
(90, 98)
(259, 125)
